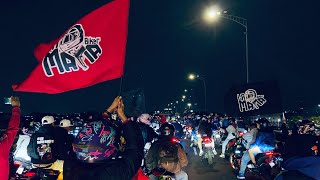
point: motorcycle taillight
(30, 174)
(174, 140)
(206, 139)
(271, 153)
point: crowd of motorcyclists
(153, 146)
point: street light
(189, 105)
(193, 77)
(213, 13)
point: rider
(264, 142)
(232, 131)
(147, 132)
(157, 155)
(47, 145)
(178, 129)
(7, 138)
(204, 129)
(300, 156)
(68, 126)
(97, 155)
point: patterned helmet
(96, 141)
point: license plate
(218, 136)
(189, 130)
(208, 145)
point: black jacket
(148, 133)
(58, 150)
(118, 169)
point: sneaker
(251, 166)
(222, 156)
(241, 176)
(214, 152)
(201, 153)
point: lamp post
(193, 77)
(212, 13)
(189, 105)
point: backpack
(168, 152)
(41, 148)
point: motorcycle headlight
(237, 152)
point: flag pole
(121, 84)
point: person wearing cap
(47, 145)
(7, 138)
(67, 125)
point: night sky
(167, 39)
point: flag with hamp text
(91, 51)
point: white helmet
(47, 120)
(65, 123)
(144, 118)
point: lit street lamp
(193, 77)
(212, 13)
(189, 105)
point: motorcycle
(39, 174)
(268, 165)
(187, 132)
(238, 150)
(162, 174)
(216, 136)
(208, 149)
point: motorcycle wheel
(210, 156)
(233, 162)
(264, 168)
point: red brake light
(17, 164)
(206, 139)
(271, 153)
(174, 140)
(189, 128)
(240, 133)
(30, 174)
(268, 153)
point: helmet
(264, 123)
(96, 142)
(144, 118)
(231, 120)
(47, 120)
(65, 123)
(306, 127)
(167, 129)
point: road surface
(199, 170)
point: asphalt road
(201, 170)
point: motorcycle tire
(210, 156)
(233, 162)
(264, 168)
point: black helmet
(167, 129)
(264, 123)
(231, 120)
